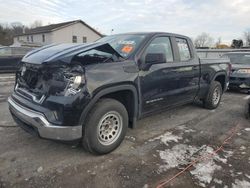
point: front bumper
(35, 122)
(239, 82)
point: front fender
(109, 90)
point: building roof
(53, 27)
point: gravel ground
(161, 146)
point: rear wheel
(105, 126)
(213, 98)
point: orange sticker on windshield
(127, 49)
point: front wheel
(105, 127)
(213, 98)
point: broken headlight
(23, 70)
(74, 86)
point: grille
(31, 78)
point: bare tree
(218, 42)
(203, 40)
(247, 37)
(36, 23)
(8, 31)
(17, 28)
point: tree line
(8, 31)
(204, 40)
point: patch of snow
(185, 129)
(166, 138)
(217, 181)
(176, 156)
(40, 169)
(241, 184)
(181, 127)
(218, 158)
(228, 154)
(232, 173)
(247, 129)
(190, 131)
(242, 148)
(247, 176)
(130, 138)
(205, 169)
(247, 97)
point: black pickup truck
(94, 92)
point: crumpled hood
(64, 52)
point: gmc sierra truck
(94, 92)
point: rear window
(184, 49)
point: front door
(157, 81)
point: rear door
(187, 69)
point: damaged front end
(55, 90)
(51, 88)
(38, 81)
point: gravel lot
(161, 146)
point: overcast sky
(220, 18)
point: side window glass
(161, 45)
(184, 50)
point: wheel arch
(110, 93)
(221, 78)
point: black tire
(94, 138)
(210, 102)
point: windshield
(125, 45)
(239, 58)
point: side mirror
(153, 58)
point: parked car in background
(10, 57)
(94, 92)
(240, 70)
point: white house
(67, 32)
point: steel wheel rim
(216, 96)
(109, 128)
